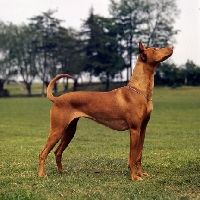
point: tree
(162, 15)
(46, 31)
(142, 20)
(110, 62)
(102, 48)
(18, 53)
(70, 55)
(191, 73)
(169, 74)
(91, 40)
(3, 64)
(24, 56)
(129, 16)
(7, 66)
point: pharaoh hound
(125, 108)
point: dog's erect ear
(141, 47)
(143, 56)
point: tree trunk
(90, 82)
(66, 84)
(75, 84)
(44, 87)
(121, 78)
(55, 88)
(2, 81)
(127, 74)
(28, 88)
(107, 81)
(3, 93)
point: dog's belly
(116, 124)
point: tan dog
(121, 109)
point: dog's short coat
(121, 109)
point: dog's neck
(142, 78)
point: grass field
(96, 159)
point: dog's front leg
(140, 147)
(134, 142)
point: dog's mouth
(165, 57)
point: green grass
(96, 159)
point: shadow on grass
(99, 166)
(186, 175)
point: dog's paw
(42, 175)
(136, 178)
(142, 174)
(62, 170)
(145, 174)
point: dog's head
(154, 55)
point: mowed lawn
(96, 159)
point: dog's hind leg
(65, 140)
(54, 136)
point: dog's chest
(149, 107)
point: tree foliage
(45, 29)
(170, 75)
(17, 53)
(143, 20)
(102, 48)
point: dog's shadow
(86, 165)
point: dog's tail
(49, 88)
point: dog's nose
(171, 47)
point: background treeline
(104, 46)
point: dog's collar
(132, 88)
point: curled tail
(49, 88)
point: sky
(73, 12)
